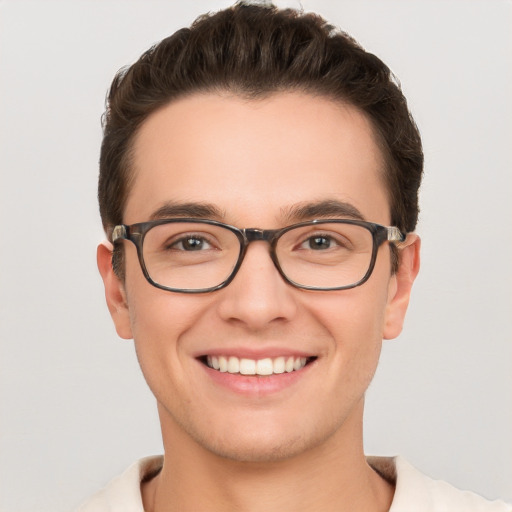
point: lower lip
(256, 385)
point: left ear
(401, 285)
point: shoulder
(418, 492)
(123, 493)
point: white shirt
(414, 492)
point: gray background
(75, 410)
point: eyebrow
(321, 209)
(172, 209)
(327, 208)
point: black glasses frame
(136, 233)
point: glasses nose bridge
(259, 235)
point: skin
(299, 448)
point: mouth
(258, 367)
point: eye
(191, 243)
(319, 242)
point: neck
(331, 476)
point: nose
(258, 296)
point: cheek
(158, 327)
(159, 320)
(352, 316)
(354, 320)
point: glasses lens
(327, 255)
(190, 255)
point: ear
(114, 291)
(401, 285)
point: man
(258, 184)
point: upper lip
(256, 353)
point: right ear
(114, 291)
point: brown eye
(191, 243)
(317, 243)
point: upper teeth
(265, 366)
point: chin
(258, 451)
(261, 444)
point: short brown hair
(254, 51)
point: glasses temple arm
(395, 235)
(119, 232)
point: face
(255, 163)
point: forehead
(254, 159)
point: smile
(262, 367)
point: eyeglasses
(196, 256)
